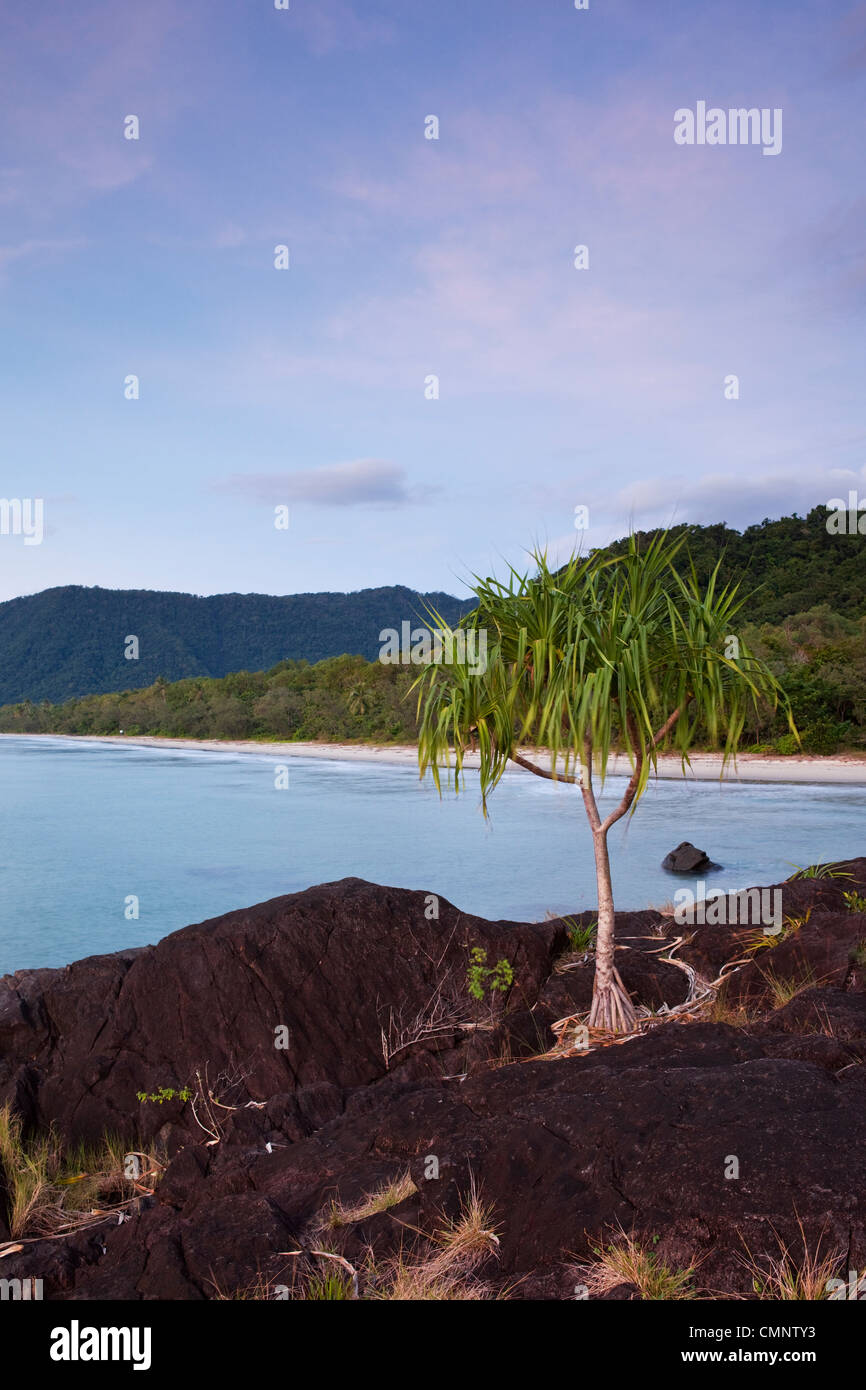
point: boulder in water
(686, 859)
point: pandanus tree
(604, 654)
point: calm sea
(85, 828)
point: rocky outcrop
(336, 967)
(686, 859)
(391, 1065)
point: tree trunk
(612, 1008)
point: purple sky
(410, 257)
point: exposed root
(612, 1009)
(579, 1033)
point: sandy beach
(705, 767)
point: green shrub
(787, 744)
(823, 737)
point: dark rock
(819, 954)
(685, 859)
(564, 1150)
(337, 965)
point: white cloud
(361, 482)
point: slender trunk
(604, 947)
(612, 1008)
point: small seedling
(580, 938)
(481, 976)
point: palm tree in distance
(604, 654)
(358, 700)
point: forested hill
(71, 641)
(794, 564)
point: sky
(433, 386)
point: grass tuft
(784, 988)
(833, 870)
(445, 1266)
(627, 1260)
(760, 940)
(737, 1014)
(382, 1199)
(787, 1278)
(50, 1189)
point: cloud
(674, 499)
(362, 482)
(740, 501)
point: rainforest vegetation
(806, 616)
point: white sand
(705, 767)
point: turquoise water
(191, 834)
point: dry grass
(258, 1290)
(665, 909)
(784, 988)
(738, 1014)
(503, 1058)
(786, 1278)
(627, 1260)
(52, 1190)
(382, 1199)
(444, 1266)
(334, 1280)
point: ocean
(106, 846)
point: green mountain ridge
(313, 656)
(70, 641)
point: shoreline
(705, 767)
